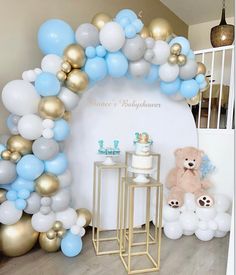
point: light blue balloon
(138, 24)
(183, 42)
(117, 64)
(96, 68)
(124, 21)
(2, 148)
(11, 195)
(153, 74)
(61, 130)
(203, 84)
(47, 84)
(200, 78)
(29, 167)
(71, 245)
(101, 51)
(23, 194)
(20, 204)
(130, 31)
(191, 55)
(189, 88)
(131, 15)
(21, 183)
(54, 36)
(90, 52)
(170, 88)
(57, 165)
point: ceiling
(199, 11)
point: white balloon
(139, 68)
(20, 97)
(206, 214)
(48, 123)
(30, 126)
(68, 217)
(75, 229)
(220, 234)
(65, 179)
(173, 230)
(168, 72)
(46, 201)
(189, 201)
(203, 225)
(82, 232)
(150, 42)
(33, 203)
(223, 221)
(45, 210)
(48, 133)
(212, 225)
(222, 202)
(112, 36)
(9, 214)
(29, 75)
(70, 99)
(188, 233)
(189, 221)
(161, 51)
(61, 200)
(41, 222)
(170, 214)
(204, 235)
(51, 63)
(37, 71)
(189, 70)
(81, 221)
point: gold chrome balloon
(49, 245)
(182, 59)
(19, 238)
(207, 86)
(176, 49)
(6, 155)
(61, 76)
(201, 68)
(83, 212)
(2, 195)
(51, 107)
(57, 226)
(51, 234)
(66, 67)
(61, 233)
(19, 144)
(15, 157)
(76, 80)
(172, 59)
(194, 100)
(67, 116)
(74, 54)
(144, 32)
(160, 29)
(100, 19)
(47, 184)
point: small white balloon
(9, 214)
(37, 71)
(204, 235)
(173, 230)
(168, 72)
(220, 234)
(48, 133)
(212, 225)
(69, 98)
(46, 201)
(203, 225)
(45, 210)
(33, 203)
(170, 214)
(51, 63)
(68, 217)
(222, 202)
(161, 51)
(48, 123)
(189, 221)
(223, 221)
(30, 126)
(150, 42)
(82, 232)
(81, 221)
(188, 232)
(206, 214)
(41, 222)
(75, 229)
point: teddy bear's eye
(194, 160)
(186, 159)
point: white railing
(219, 63)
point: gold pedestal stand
(96, 230)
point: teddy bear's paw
(205, 201)
(174, 203)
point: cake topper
(142, 138)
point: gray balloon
(7, 172)
(149, 54)
(61, 200)
(189, 70)
(150, 42)
(45, 149)
(134, 48)
(87, 35)
(139, 68)
(65, 179)
(33, 203)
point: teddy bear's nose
(190, 164)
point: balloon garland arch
(34, 174)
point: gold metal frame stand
(96, 230)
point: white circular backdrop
(116, 109)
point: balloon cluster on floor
(205, 223)
(34, 176)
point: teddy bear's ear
(178, 151)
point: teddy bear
(185, 177)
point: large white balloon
(168, 72)
(69, 99)
(161, 51)
(189, 201)
(139, 68)
(42, 223)
(65, 179)
(20, 97)
(220, 234)
(51, 63)
(30, 126)
(87, 35)
(9, 214)
(33, 203)
(204, 235)
(61, 200)
(68, 217)
(189, 70)
(223, 221)
(112, 36)
(206, 214)
(173, 230)
(170, 214)
(222, 202)
(189, 221)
